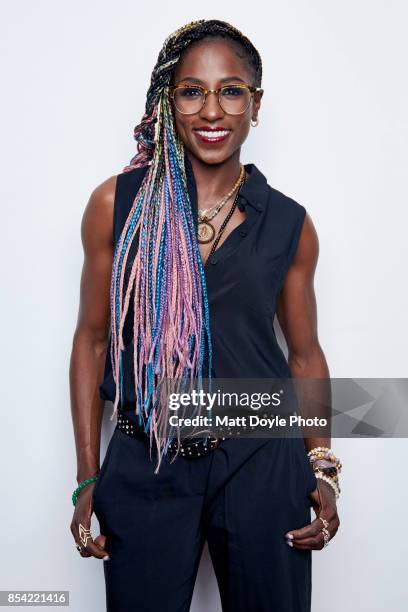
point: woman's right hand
(82, 516)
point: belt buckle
(215, 442)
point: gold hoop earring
(254, 123)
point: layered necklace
(206, 230)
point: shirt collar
(253, 192)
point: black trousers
(242, 498)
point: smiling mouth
(212, 136)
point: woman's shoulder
(292, 222)
(110, 201)
(279, 203)
(97, 218)
(285, 218)
(103, 195)
(130, 178)
(285, 203)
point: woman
(188, 255)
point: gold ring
(84, 534)
(326, 537)
(325, 523)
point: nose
(211, 109)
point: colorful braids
(171, 324)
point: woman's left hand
(311, 536)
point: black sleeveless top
(244, 277)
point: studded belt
(190, 448)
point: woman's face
(213, 64)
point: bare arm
(297, 316)
(88, 355)
(92, 329)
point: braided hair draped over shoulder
(171, 325)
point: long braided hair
(171, 325)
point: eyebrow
(224, 80)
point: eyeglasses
(233, 99)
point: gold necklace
(206, 230)
(207, 213)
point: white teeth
(208, 134)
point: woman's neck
(214, 181)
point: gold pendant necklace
(206, 230)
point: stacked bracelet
(80, 487)
(322, 452)
(329, 473)
(329, 480)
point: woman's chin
(210, 157)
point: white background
(332, 135)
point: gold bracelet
(330, 481)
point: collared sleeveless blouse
(244, 277)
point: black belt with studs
(190, 448)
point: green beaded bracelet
(80, 487)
